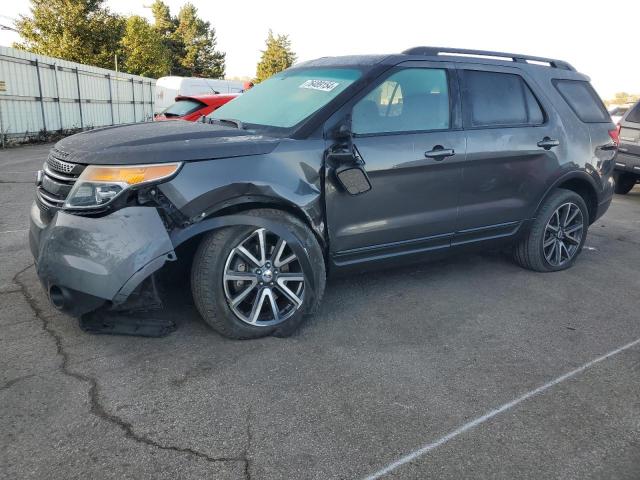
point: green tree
(143, 50)
(201, 59)
(83, 31)
(277, 57)
(166, 26)
(164, 23)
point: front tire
(557, 235)
(248, 282)
(624, 183)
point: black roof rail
(514, 57)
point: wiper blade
(236, 123)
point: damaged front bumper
(85, 263)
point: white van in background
(168, 88)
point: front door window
(411, 100)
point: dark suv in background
(336, 165)
(627, 168)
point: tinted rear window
(500, 99)
(634, 115)
(583, 100)
(182, 108)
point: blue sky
(590, 35)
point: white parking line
(15, 231)
(503, 408)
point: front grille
(57, 181)
(57, 162)
(59, 165)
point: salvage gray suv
(336, 165)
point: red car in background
(192, 108)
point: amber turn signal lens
(132, 175)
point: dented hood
(161, 142)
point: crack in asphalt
(13, 381)
(6, 292)
(16, 181)
(97, 409)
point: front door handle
(439, 153)
(548, 143)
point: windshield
(182, 108)
(289, 97)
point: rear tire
(624, 182)
(217, 279)
(536, 250)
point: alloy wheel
(563, 234)
(263, 279)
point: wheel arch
(582, 184)
(244, 204)
(245, 218)
(233, 212)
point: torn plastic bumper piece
(114, 323)
(85, 263)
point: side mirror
(342, 152)
(342, 156)
(354, 179)
(343, 132)
(349, 171)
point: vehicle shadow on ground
(347, 294)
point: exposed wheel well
(586, 191)
(243, 207)
(186, 250)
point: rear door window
(494, 99)
(583, 100)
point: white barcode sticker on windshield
(322, 85)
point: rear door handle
(548, 143)
(439, 153)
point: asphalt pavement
(466, 368)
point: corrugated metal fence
(43, 94)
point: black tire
(208, 269)
(624, 182)
(529, 251)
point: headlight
(98, 185)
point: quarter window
(583, 100)
(411, 100)
(500, 99)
